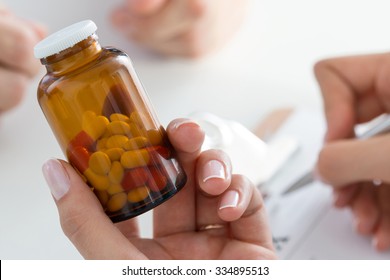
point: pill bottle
(104, 122)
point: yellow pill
(116, 173)
(117, 202)
(100, 163)
(119, 117)
(118, 128)
(93, 125)
(155, 137)
(116, 141)
(138, 194)
(135, 158)
(99, 182)
(135, 130)
(136, 143)
(101, 144)
(114, 153)
(114, 189)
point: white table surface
(266, 66)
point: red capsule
(157, 181)
(159, 151)
(79, 158)
(82, 140)
(134, 178)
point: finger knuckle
(25, 42)
(198, 8)
(320, 65)
(75, 223)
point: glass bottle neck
(73, 57)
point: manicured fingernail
(229, 200)
(214, 169)
(56, 177)
(185, 121)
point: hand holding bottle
(217, 215)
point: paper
(304, 223)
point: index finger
(350, 161)
(171, 217)
(350, 90)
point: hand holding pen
(356, 90)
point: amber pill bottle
(104, 122)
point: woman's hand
(355, 90)
(217, 215)
(17, 62)
(189, 28)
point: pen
(378, 126)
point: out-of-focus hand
(217, 215)
(189, 28)
(17, 62)
(355, 90)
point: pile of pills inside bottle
(120, 158)
(101, 116)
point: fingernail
(185, 121)
(214, 169)
(56, 177)
(318, 176)
(229, 200)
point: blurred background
(267, 65)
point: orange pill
(118, 128)
(136, 143)
(138, 194)
(116, 173)
(116, 141)
(99, 182)
(117, 202)
(114, 189)
(135, 158)
(135, 130)
(101, 144)
(119, 117)
(114, 153)
(94, 125)
(100, 163)
(155, 137)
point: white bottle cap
(64, 38)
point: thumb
(351, 161)
(82, 217)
